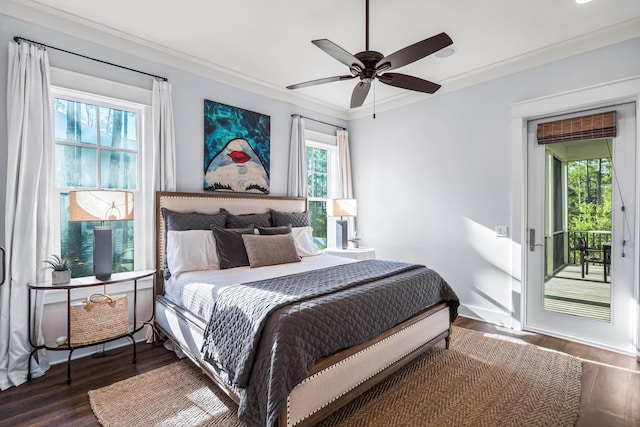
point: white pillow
(191, 250)
(303, 237)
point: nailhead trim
(291, 424)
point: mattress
(197, 291)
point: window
(97, 146)
(322, 177)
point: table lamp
(342, 208)
(101, 205)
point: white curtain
(344, 168)
(162, 166)
(297, 179)
(344, 163)
(164, 134)
(29, 174)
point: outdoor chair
(588, 256)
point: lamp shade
(342, 207)
(100, 205)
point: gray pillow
(270, 250)
(182, 221)
(243, 221)
(295, 219)
(284, 229)
(230, 246)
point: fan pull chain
(374, 99)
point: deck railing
(593, 238)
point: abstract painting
(236, 149)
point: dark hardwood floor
(610, 384)
(49, 401)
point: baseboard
(502, 319)
(499, 318)
(590, 343)
(57, 357)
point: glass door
(580, 218)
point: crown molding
(36, 13)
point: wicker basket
(98, 318)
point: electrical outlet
(502, 231)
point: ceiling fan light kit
(370, 65)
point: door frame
(627, 90)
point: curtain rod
(22, 39)
(318, 121)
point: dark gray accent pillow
(270, 250)
(284, 229)
(295, 219)
(182, 221)
(230, 246)
(243, 221)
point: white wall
(434, 178)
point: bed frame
(335, 380)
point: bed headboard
(236, 204)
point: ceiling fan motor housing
(369, 58)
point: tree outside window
(589, 194)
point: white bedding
(197, 290)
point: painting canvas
(236, 149)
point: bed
(286, 374)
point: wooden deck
(567, 292)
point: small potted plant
(60, 269)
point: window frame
(143, 118)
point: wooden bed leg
(447, 339)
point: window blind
(594, 126)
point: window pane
(118, 170)
(319, 222)
(123, 250)
(320, 160)
(310, 190)
(310, 151)
(320, 185)
(76, 242)
(118, 128)
(74, 122)
(75, 166)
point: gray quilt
(264, 337)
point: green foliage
(57, 263)
(319, 222)
(589, 185)
(318, 180)
(590, 216)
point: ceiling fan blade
(414, 52)
(360, 93)
(321, 81)
(408, 82)
(338, 53)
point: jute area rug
(482, 380)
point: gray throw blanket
(263, 337)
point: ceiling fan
(369, 65)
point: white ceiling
(268, 43)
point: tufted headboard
(236, 204)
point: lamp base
(342, 240)
(102, 253)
